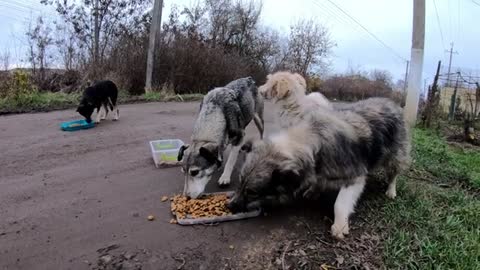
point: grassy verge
(446, 164)
(157, 96)
(38, 101)
(47, 101)
(432, 225)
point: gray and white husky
(327, 149)
(224, 114)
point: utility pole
(406, 77)
(450, 62)
(153, 40)
(416, 62)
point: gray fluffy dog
(224, 114)
(327, 149)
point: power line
(478, 4)
(439, 25)
(20, 7)
(368, 31)
(458, 21)
(337, 16)
(450, 19)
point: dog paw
(223, 181)
(339, 231)
(391, 193)
(97, 121)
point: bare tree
(382, 76)
(66, 45)
(97, 23)
(5, 59)
(309, 46)
(39, 40)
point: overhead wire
(439, 25)
(375, 37)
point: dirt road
(69, 198)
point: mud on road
(80, 200)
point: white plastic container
(165, 152)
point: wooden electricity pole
(451, 52)
(416, 62)
(153, 41)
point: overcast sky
(389, 20)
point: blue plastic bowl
(76, 125)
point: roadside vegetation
(434, 222)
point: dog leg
(116, 113)
(392, 189)
(99, 115)
(114, 109)
(227, 172)
(259, 124)
(105, 112)
(345, 205)
(392, 172)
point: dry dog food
(208, 206)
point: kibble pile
(208, 206)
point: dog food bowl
(76, 125)
(165, 152)
(213, 220)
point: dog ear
(210, 152)
(281, 88)
(247, 146)
(181, 151)
(301, 80)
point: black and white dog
(224, 114)
(326, 149)
(101, 96)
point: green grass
(38, 101)
(48, 101)
(446, 163)
(158, 96)
(432, 227)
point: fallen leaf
(340, 260)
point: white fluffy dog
(288, 92)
